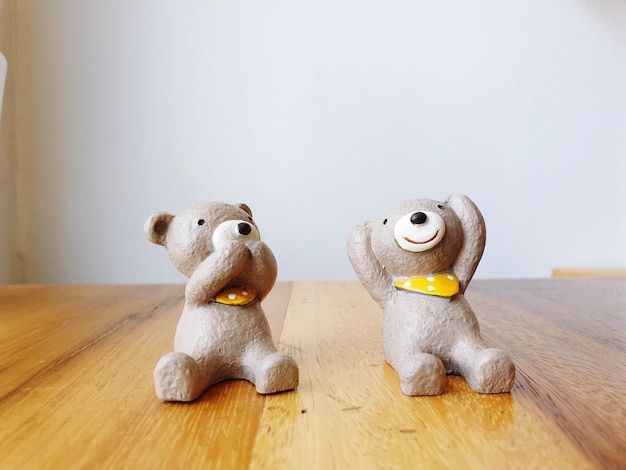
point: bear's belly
(223, 332)
(417, 323)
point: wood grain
(76, 386)
(569, 342)
(82, 384)
(349, 413)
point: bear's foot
(492, 371)
(278, 372)
(424, 375)
(177, 377)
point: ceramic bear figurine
(416, 262)
(222, 333)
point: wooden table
(76, 385)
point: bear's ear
(156, 227)
(245, 208)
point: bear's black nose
(418, 218)
(244, 228)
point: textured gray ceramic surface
(222, 333)
(416, 262)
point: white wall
(318, 114)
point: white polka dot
(232, 296)
(244, 293)
(450, 277)
(407, 283)
(431, 288)
(430, 279)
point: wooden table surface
(76, 385)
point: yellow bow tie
(235, 296)
(443, 285)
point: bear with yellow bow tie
(223, 332)
(416, 262)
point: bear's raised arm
(474, 238)
(367, 267)
(263, 268)
(215, 272)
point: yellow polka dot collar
(236, 296)
(442, 285)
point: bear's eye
(385, 222)
(441, 206)
(201, 222)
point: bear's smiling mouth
(421, 243)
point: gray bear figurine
(222, 333)
(416, 262)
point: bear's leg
(178, 377)
(488, 370)
(273, 372)
(421, 374)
